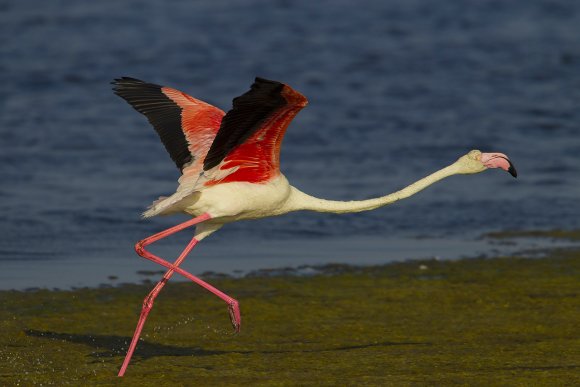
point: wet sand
(501, 321)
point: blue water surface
(397, 89)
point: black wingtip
(128, 83)
(161, 111)
(125, 80)
(264, 80)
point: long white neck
(301, 201)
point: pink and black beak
(499, 160)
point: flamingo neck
(302, 201)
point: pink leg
(233, 306)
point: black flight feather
(163, 113)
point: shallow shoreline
(266, 260)
(477, 321)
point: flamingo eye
(474, 155)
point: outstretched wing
(208, 146)
(185, 125)
(247, 145)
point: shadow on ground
(113, 345)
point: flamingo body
(233, 201)
(230, 165)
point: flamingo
(229, 165)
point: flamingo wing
(247, 145)
(209, 146)
(185, 125)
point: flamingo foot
(235, 316)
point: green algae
(504, 321)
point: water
(397, 90)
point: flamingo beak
(499, 160)
(512, 170)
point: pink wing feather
(200, 123)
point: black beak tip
(512, 170)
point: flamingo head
(477, 161)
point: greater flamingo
(230, 169)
